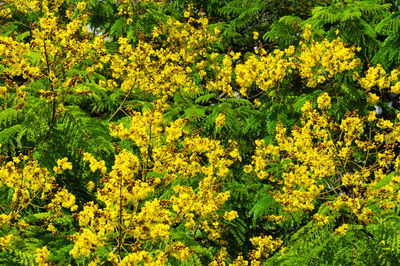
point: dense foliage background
(213, 132)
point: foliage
(217, 132)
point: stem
(2, 209)
(120, 219)
(195, 231)
(294, 220)
(54, 101)
(337, 152)
(144, 172)
(120, 106)
(366, 158)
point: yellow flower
(395, 88)
(342, 230)
(42, 256)
(3, 91)
(62, 164)
(51, 228)
(372, 98)
(248, 168)
(81, 6)
(324, 101)
(240, 261)
(179, 251)
(307, 32)
(230, 215)
(321, 79)
(5, 241)
(307, 107)
(94, 164)
(220, 120)
(60, 110)
(321, 220)
(371, 116)
(90, 185)
(255, 35)
(264, 245)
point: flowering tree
(155, 138)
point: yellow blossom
(230, 215)
(81, 6)
(62, 164)
(51, 228)
(248, 168)
(90, 185)
(6, 240)
(255, 35)
(342, 230)
(372, 98)
(42, 256)
(3, 91)
(264, 245)
(324, 101)
(220, 120)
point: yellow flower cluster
(266, 71)
(223, 77)
(6, 12)
(318, 158)
(94, 164)
(28, 182)
(127, 8)
(219, 159)
(63, 199)
(5, 241)
(240, 261)
(62, 164)
(146, 132)
(316, 62)
(136, 258)
(321, 220)
(152, 222)
(165, 66)
(341, 230)
(231, 215)
(86, 243)
(220, 120)
(42, 256)
(255, 35)
(199, 210)
(377, 80)
(12, 60)
(320, 61)
(219, 258)
(25, 6)
(264, 246)
(324, 101)
(129, 210)
(53, 52)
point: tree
(198, 132)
